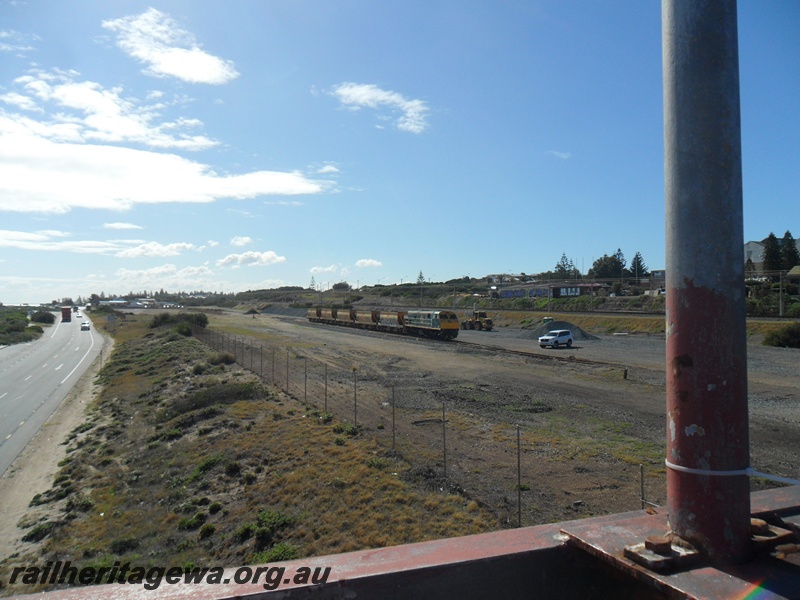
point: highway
(36, 377)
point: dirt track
(585, 426)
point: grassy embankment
(185, 459)
(610, 323)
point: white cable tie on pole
(749, 471)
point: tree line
(613, 266)
(779, 255)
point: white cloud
(44, 241)
(121, 226)
(241, 240)
(251, 259)
(368, 262)
(156, 40)
(561, 155)
(37, 175)
(68, 156)
(285, 203)
(327, 169)
(14, 41)
(20, 101)
(329, 269)
(166, 276)
(85, 111)
(155, 249)
(358, 95)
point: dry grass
(610, 323)
(156, 477)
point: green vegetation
(43, 316)
(786, 337)
(14, 327)
(179, 467)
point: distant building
(754, 251)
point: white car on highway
(556, 338)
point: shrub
(207, 530)
(39, 532)
(222, 358)
(196, 521)
(183, 328)
(205, 466)
(787, 337)
(43, 317)
(221, 393)
(282, 551)
(161, 319)
(123, 545)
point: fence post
(287, 370)
(393, 428)
(326, 388)
(305, 379)
(444, 442)
(355, 399)
(641, 485)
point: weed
(222, 358)
(123, 545)
(232, 469)
(39, 532)
(196, 521)
(282, 551)
(207, 530)
(204, 467)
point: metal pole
(708, 492)
(393, 428)
(355, 399)
(519, 482)
(305, 379)
(326, 387)
(287, 370)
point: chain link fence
(449, 450)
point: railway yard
(588, 416)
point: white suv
(556, 338)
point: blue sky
(233, 145)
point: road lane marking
(80, 361)
(28, 377)
(59, 366)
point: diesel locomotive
(436, 324)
